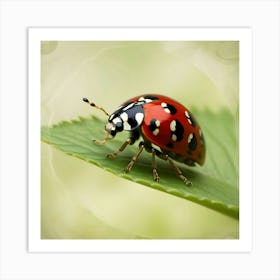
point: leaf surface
(215, 185)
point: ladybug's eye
(113, 133)
(119, 126)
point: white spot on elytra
(173, 125)
(190, 137)
(156, 132)
(188, 117)
(139, 117)
(165, 107)
(147, 100)
(157, 123)
(174, 137)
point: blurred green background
(82, 201)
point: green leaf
(215, 185)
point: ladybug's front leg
(135, 157)
(121, 148)
(134, 135)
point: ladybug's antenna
(95, 106)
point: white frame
(262, 262)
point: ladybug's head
(114, 124)
(127, 117)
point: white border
(263, 260)
(36, 35)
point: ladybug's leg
(155, 153)
(175, 168)
(154, 165)
(121, 148)
(135, 157)
(133, 137)
(178, 171)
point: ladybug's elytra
(168, 129)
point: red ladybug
(168, 129)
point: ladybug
(168, 129)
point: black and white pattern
(168, 108)
(177, 131)
(128, 117)
(147, 99)
(154, 126)
(190, 119)
(192, 142)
